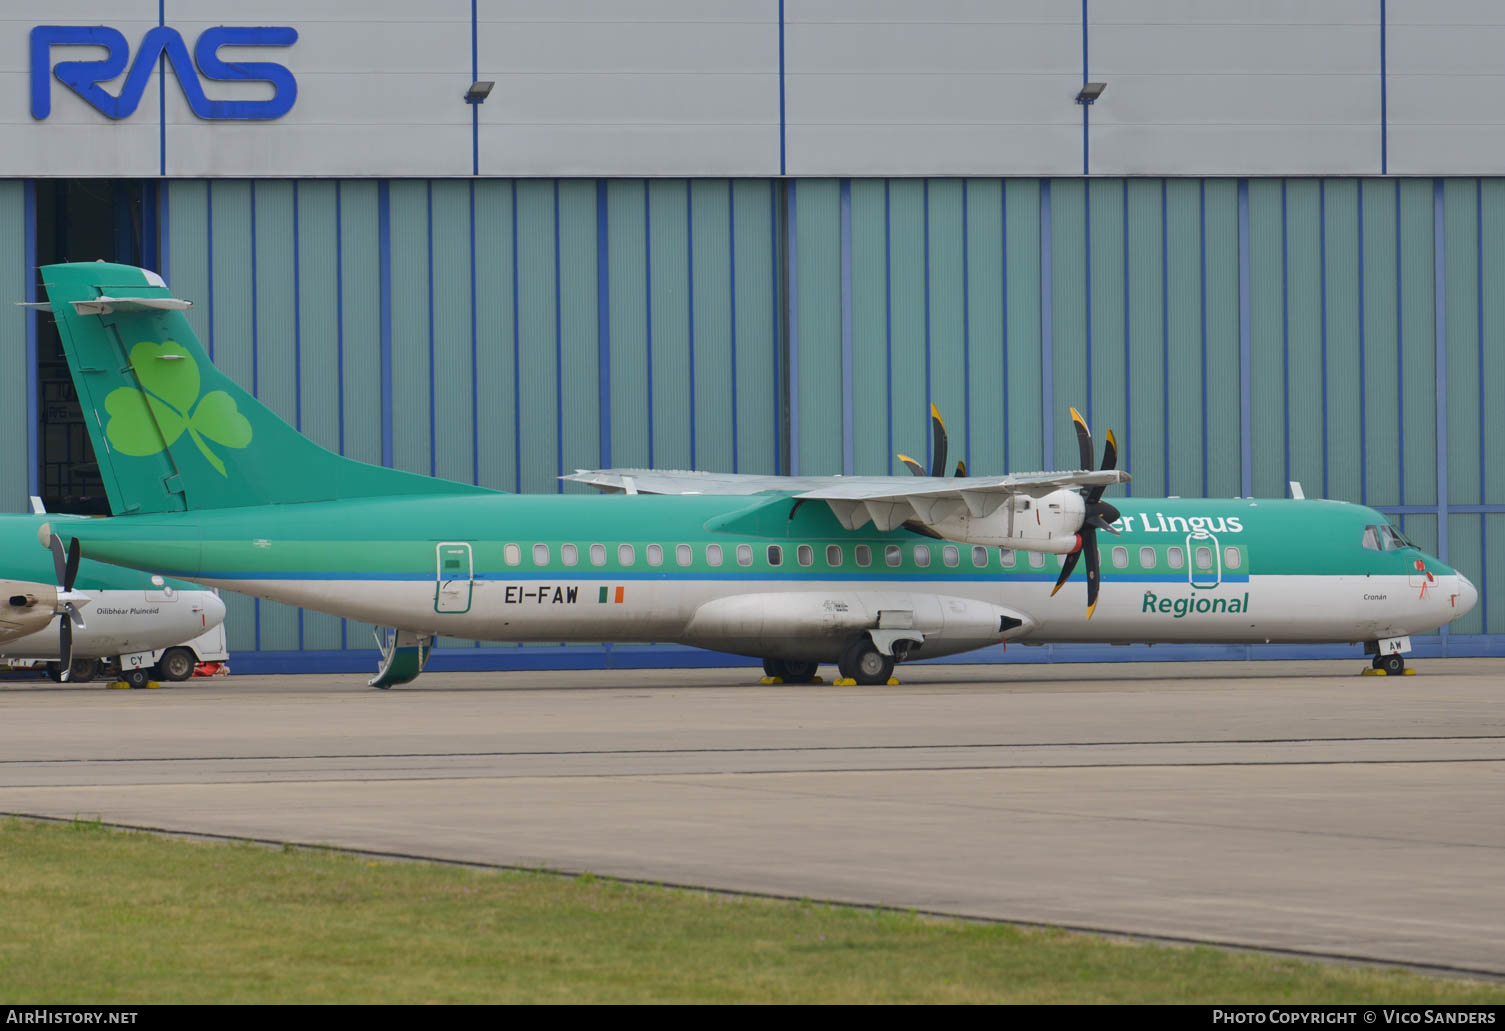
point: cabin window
(1037, 559)
(1175, 557)
(1009, 557)
(833, 555)
(683, 555)
(893, 554)
(655, 555)
(1147, 557)
(598, 554)
(951, 556)
(512, 554)
(625, 554)
(540, 554)
(864, 555)
(1121, 558)
(744, 554)
(979, 556)
(806, 555)
(922, 555)
(713, 554)
(569, 554)
(1232, 557)
(1204, 557)
(775, 555)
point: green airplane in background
(208, 485)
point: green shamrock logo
(144, 422)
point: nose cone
(214, 609)
(1466, 596)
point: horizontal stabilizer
(111, 305)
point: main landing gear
(860, 663)
(1390, 665)
(864, 663)
(790, 671)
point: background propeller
(66, 568)
(1100, 515)
(938, 452)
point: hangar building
(761, 235)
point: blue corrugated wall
(1236, 334)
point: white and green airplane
(75, 615)
(209, 485)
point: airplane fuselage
(766, 577)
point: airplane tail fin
(171, 432)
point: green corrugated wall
(526, 328)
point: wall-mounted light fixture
(478, 92)
(1090, 92)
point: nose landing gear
(1392, 664)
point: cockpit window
(1385, 538)
(1393, 539)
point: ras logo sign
(84, 77)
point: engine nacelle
(25, 608)
(1049, 524)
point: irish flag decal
(607, 595)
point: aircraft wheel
(54, 671)
(136, 677)
(798, 672)
(1394, 665)
(773, 668)
(176, 664)
(83, 671)
(864, 663)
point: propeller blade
(76, 616)
(75, 552)
(65, 644)
(1083, 439)
(938, 432)
(912, 465)
(1066, 569)
(1110, 461)
(1099, 514)
(1089, 545)
(961, 470)
(1098, 522)
(59, 560)
(1103, 515)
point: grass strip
(92, 914)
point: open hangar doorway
(81, 220)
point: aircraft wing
(889, 501)
(691, 481)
